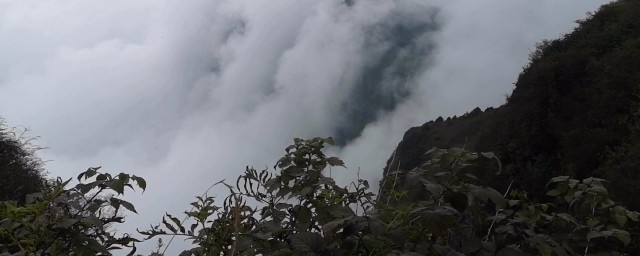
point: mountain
(575, 110)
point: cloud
(188, 93)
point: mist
(187, 93)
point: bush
(297, 210)
(300, 211)
(21, 170)
(69, 221)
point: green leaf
(433, 188)
(456, 151)
(128, 206)
(92, 221)
(554, 192)
(621, 219)
(115, 203)
(598, 190)
(303, 218)
(177, 222)
(289, 148)
(623, 236)
(330, 141)
(340, 211)
(594, 234)
(140, 181)
(88, 173)
(66, 222)
(567, 217)
(101, 177)
(573, 183)
(304, 191)
(116, 185)
(84, 188)
(559, 179)
(632, 215)
(330, 227)
(487, 193)
(281, 206)
(95, 205)
(334, 161)
(305, 243)
(169, 226)
(592, 222)
(488, 154)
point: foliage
(294, 209)
(573, 111)
(299, 211)
(21, 171)
(69, 221)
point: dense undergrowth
(296, 209)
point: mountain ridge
(575, 111)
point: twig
(494, 221)
(395, 180)
(186, 217)
(384, 178)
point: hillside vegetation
(551, 172)
(296, 209)
(574, 111)
(21, 172)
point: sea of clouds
(186, 93)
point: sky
(186, 93)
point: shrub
(69, 221)
(298, 210)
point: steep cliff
(574, 111)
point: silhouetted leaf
(446, 251)
(334, 161)
(307, 242)
(140, 181)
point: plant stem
(494, 221)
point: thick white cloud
(186, 93)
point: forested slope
(574, 111)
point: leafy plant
(70, 221)
(21, 171)
(297, 210)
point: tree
(21, 171)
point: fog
(186, 93)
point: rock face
(575, 111)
